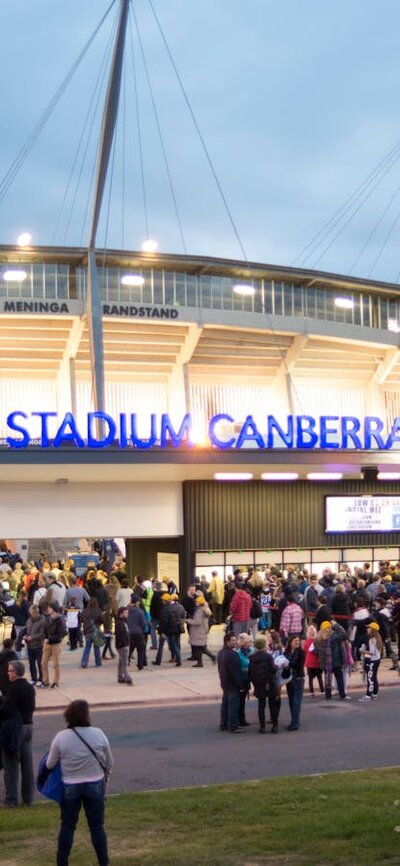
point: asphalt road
(182, 745)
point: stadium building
(213, 413)
(210, 367)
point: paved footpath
(153, 686)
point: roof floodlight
(132, 280)
(344, 303)
(24, 239)
(12, 276)
(149, 246)
(243, 289)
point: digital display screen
(362, 513)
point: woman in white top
(86, 763)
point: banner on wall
(168, 567)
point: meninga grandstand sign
(297, 432)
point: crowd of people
(284, 626)
(279, 629)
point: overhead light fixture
(243, 289)
(344, 303)
(132, 280)
(149, 246)
(24, 239)
(279, 476)
(233, 476)
(388, 476)
(324, 476)
(12, 276)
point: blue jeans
(90, 795)
(154, 623)
(86, 652)
(295, 694)
(230, 709)
(174, 643)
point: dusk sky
(297, 100)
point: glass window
(278, 299)
(257, 298)
(158, 289)
(216, 293)
(268, 297)
(37, 281)
(320, 299)
(192, 290)
(180, 283)
(205, 289)
(169, 280)
(288, 299)
(310, 303)
(147, 288)
(62, 281)
(366, 311)
(298, 301)
(227, 293)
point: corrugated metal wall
(259, 516)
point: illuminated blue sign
(302, 432)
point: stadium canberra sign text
(298, 432)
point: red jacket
(240, 606)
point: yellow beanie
(200, 599)
(166, 596)
(326, 624)
(374, 626)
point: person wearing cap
(372, 660)
(330, 646)
(198, 623)
(171, 626)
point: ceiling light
(14, 276)
(279, 476)
(344, 303)
(325, 476)
(132, 280)
(24, 239)
(233, 476)
(388, 476)
(240, 289)
(149, 246)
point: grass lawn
(345, 819)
